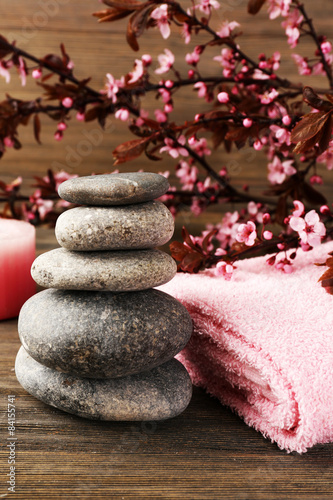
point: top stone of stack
(114, 189)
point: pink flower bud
(168, 108)
(223, 97)
(146, 59)
(324, 209)
(268, 235)
(58, 135)
(67, 102)
(62, 126)
(247, 122)
(280, 246)
(36, 73)
(257, 145)
(80, 117)
(286, 120)
(8, 142)
(266, 218)
(169, 84)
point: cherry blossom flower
(291, 26)
(160, 116)
(166, 61)
(227, 61)
(206, 6)
(186, 32)
(310, 229)
(327, 157)
(160, 14)
(175, 148)
(122, 114)
(268, 96)
(224, 269)
(223, 97)
(278, 8)
(302, 64)
(247, 233)
(199, 146)
(227, 28)
(299, 208)
(192, 58)
(187, 174)
(281, 134)
(4, 71)
(278, 170)
(137, 73)
(112, 87)
(227, 229)
(284, 265)
(202, 89)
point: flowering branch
(251, 105)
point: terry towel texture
(263, 344)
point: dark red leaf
(37, 127)
(309, 126)
(188, 240)
(254, 6)
(207, 239)
(125, 4)
(178, 250)
(109, 15)
(129, 150)
(313, 100)
(192, 262)
(312, 195)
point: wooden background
(206, 453)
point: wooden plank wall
(40, 25)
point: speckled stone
(146, 225)
(115, 271)
(114, 189)
(103, 334)
(161, 393)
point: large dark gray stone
(115, 271)
(103, 334)
(161, 393)
(146, 225)
(114, 189)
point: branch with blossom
(251, 104)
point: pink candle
(17, 252)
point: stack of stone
(100, 341)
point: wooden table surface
(205, 453)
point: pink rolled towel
(263, 344)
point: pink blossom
(200, 146)
(160, 116)
(268, 97)
(22, 69)
(247, 122)
(60, 177)
(206, 6)
(4, 72)
(166, 61)
(302, 64)
(227, 229)
(286, 120)
(227, 28)
(227, 61)
(192, 58)
(112, 87)
(299, 208)
(223, 97)
(284, 265)
(186, 32)
(67, 102)
(247, 233)
(278, 8)
(310, 229)
(146, 59)
(175, 148)
(187, 174)
(36, 73)
(202, 89)
(326, 47)
(122, 114)
(291, 26)
(8, 142)
(62, 126)
(160, 14)
(327, 157)
(137, 73)
(58, 135)
(80, 116)
(316, 179)
(224, 269)
(281, 134)
(278, 170)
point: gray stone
(115, 271)
(161, 393)
(146, 225)
(103, 334)
(114, 189)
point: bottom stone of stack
(161, 393)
